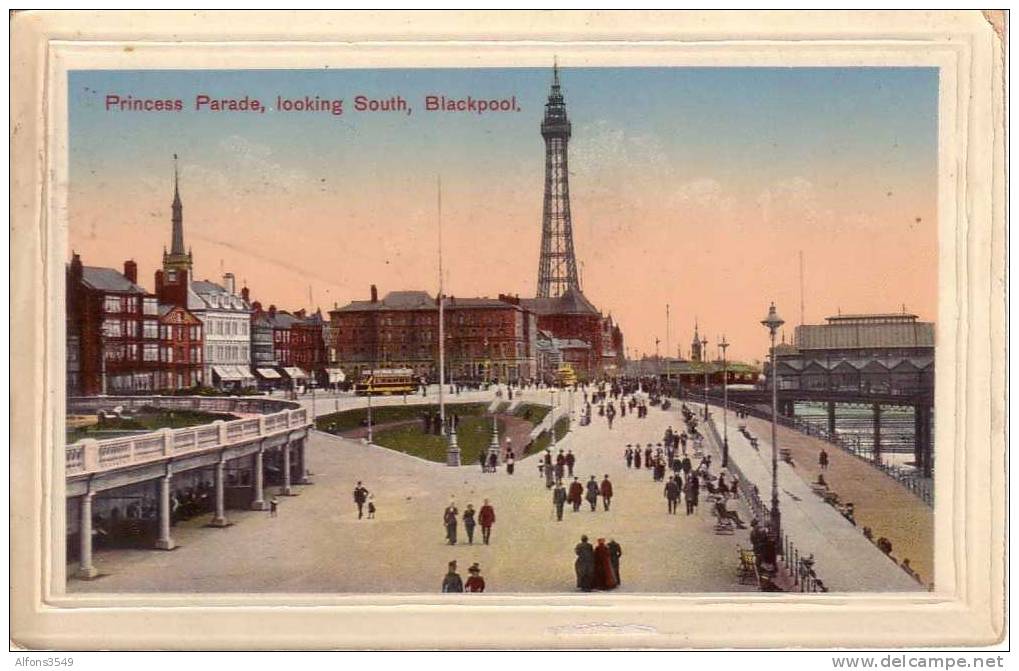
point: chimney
(76, 268)
(228, 283)
(131, 271)
(272, 311)
(300, 314)
(256, 306)
(375, 294)
(246, 295)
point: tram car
(386, 381)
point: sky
(696, 188)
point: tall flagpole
(442, 324)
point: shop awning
(268, 373)
(294, 373)
(336, 375)
(228, 373)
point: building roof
(108, 279)
(861, 335)
(421, 300)
(571, 343)
(206, 295)
(571, 302)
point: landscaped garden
(148, 419)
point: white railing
(97, 456)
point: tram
(386, 381)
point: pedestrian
(592, 493)
(604, 576)
(672, 494)
(570, 461)
(584, 565)
(274, 505)
(691, 490)
(576, 494)
(510, 464)
(452, 582)
(636, 457)
(822, 460)
(647, 456)
(360, 496)
(493, 461)
(629, 456)
(484, 462)
(615, 552)
(550, 476)
(606, 492)
(371, 506)
(475, 583)
(486, 518)
(469, 523)
(559, 499)
(449, 519)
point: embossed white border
(968, 607)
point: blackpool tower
(557, 268)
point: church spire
(178, 258)
(177, 246)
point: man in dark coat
(672, 493)
(486, 518)
(449, 518)
(559, 500)
(692, 491)
(452, 582)
(647, 456)
(615, 552)
(636, 457)
(592, 493)
(570, 461)
(576, 496)
(606, 492)
(584, 565)
(629, 456)
(360, 496)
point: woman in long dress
(604, 576)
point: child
(273, 507)
(371, 506)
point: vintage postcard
(491, 324)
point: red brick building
(572, 317)
(486, 339)
(115, 324)
(307, 346)
(180, 348)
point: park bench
(747, 573)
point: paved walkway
(317, 544)
(845, 560)
(880, 502)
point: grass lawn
(473, 437)
(146, 421)
(532, 413)
(562, 427)
(338, 422)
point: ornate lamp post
(723, 345)
(773, 322)
(704, 360)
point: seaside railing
(922, 488)
(89, 456)
(797, 567)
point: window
(131, 304)
(151, 306)
(151, 352)
(150, 329)
(194, 333)
(111, 329)
(196, 354)
(111, 304)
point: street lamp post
(723, 345)
(773, 322)
(704, 360)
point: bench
(747, 573)
(723, 525)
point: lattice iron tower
(557, 268)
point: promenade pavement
(317, 544)
(845, 560)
